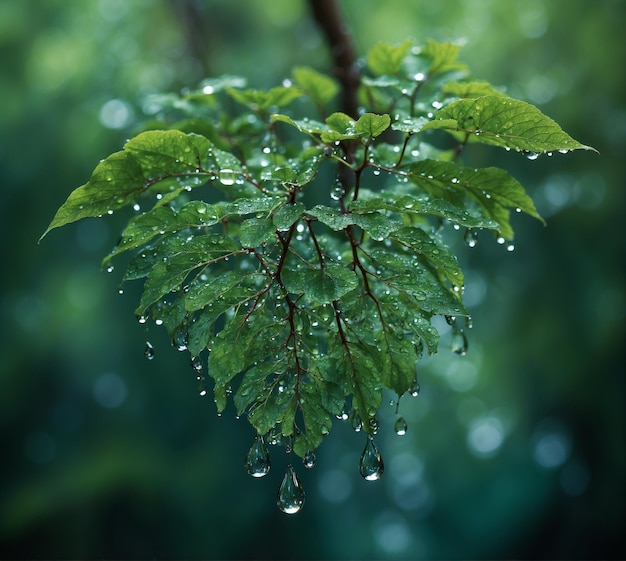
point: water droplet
(356, 422)
(471, 237)
(142, 319)
(227, 177)
(180, 338)
(257, 461)
(290, 493)
(196, 363)
(401, 426)
(532, 155)
(373, 424)
(371, 465)
(110, 269)
(148, 352)
(458, 344)
(309, 460)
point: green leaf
(491, 188)
(410, 125)
(499, 120)
(371, 125)
(319, 87)
(442, 56)
(280, 96)
(321, 285)
(287, 214)
(386, 59)
(342, 128)
(180, 258)
(377, 224)
(242, 285)
(424, 205)
(144, 227)
(255, 232)
(306, 126)
(317, 419)
(432, 250)
(470, 89)
(253, 383)
(147, 160)
(399, 362)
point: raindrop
(458, 344)
(180, 338)
(415, 390)
(373, 424)
(227, 176)
(257, 461)
(532, 155)
(196, 363)
(142, 319)
(371, 465)
(290, 493)
(471, 237)
(148, 352)
(356, 422)
(401, 426)
(110, 269)
(309, 460)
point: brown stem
(328, 17)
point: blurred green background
(514, 451)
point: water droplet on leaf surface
(371, 465)
(227, 176)
(290, 493)
(257, 461)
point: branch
(328, 18)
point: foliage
(301, 248)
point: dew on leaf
(227, 177)
(400, 426)
(532, 155)
(110, 269)
(257, 462)
(371, 465)
(148, 351)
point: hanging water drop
(371, 465)
(309, 460)
(458, 344)
(471, 238)
(290, 493)
(148, 352)
(401, 426)
(415, 390)
(196, 363)
(373, 425)
(257, 461)
(180, 338)
(532, 155)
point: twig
(328, 17)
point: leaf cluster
(295, 251)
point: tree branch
(329, 19)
